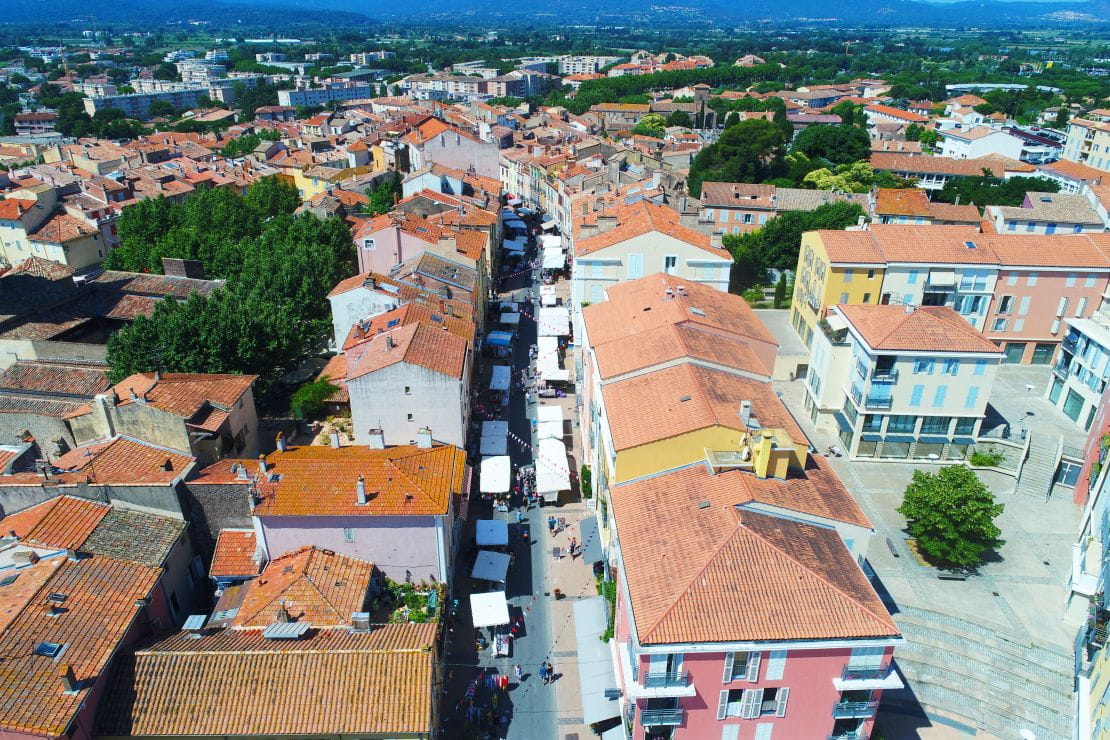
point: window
(915, 395)
(1070, 282)
(1089, 281)
(849, 273)
(670, 263)
(408, 390)
(1032, 279)
(965, 425)
(763, 731)
(935, 424)
(1019, 324)
(368, 244)
(708, 214)
(762, 218)
(597, 269)
(635, 266)
(972, 397)
(741, 667)
(923, 366)
(1081, 307)
(872, 423)
(1011, 225)
(1023, 307)
(409, 416)
(866, 297)
(1005, 305)
(870, 274)
(748, 218)
(901, 424)
(1062, 306)
(951, 367)
(1030, 226)
(730, 732)
(1012, 279)
(348, 534)
(912, 279)
(999, 325)
(907, 299)
(843, 298)
(939, 395)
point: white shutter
(776, 664)
(730, 732)
(763, 731)
(780, 702)
(730, 660)
(752, 703)
(722, 704)
(657, 663)
(753, 667)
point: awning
(942, 277)
(836, 322)
(508, 305)
(898, 438)
(510, 317)
(547, 360)
(554, 259)
(547, 295)
(548, 225)
(494, 438)
(553, 321)
(496, 474)
(515, 245)
(551, 241)
(490, 566)
(500, 379)
(964, 440)
(591, 540)
(550, 413)
(514, 201)
(552, 471)
(491, 532)
(595, 662)
(934, 440)
(550, 430)
(515, 223)
(499, 339)
(490, 609)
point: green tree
(679, 118)
(1061, 119)
(162, 108)
(837, 144)
(986, 190)
(384, 196)
(780, 291)
(166, 71)
(913, 132)
(750, 151)
(928, 138)
(951, 516)
(652, 124)
(857, 177)
(307, 401)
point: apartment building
(979, 141)
(323, 95)
(738, 208)
(1016, 289)
(1047, 213)
(912, 206)
(579, 65)
(932, 173)
(877, 114)
(1080, 375)
(1088, 143)
(901, 382)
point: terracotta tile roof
(965, 214)
(883, 243)
(184, 686)
(1073, 170)
(60, 228)
(920, 163)
(902, 202)
(1052, 250)
(409, 313)
(184, 394)
(234, 554)
(723, 574)
(55, 377)
(921, 329)
(415, 344)
(63, 522)
(119, 461)
(677, 400)
(737, 195)
(676, 342)
(335, 372)
(12, 208)
(42, 268)
(312, 585)
(638, 219)
(147, 539)
(402, 480)
(100, 606)
(898, 113)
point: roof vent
(360, 622)
(697, 311)
(360, 490)
(684, 399)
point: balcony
(1069, 342)
(666, 680)
(849, 709)
(1060, 370)
(884, 375)
(850, 735)
(859, 678)
(661, 717)
(879, 402)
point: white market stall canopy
(554, 259)
(490, 566)
(553, 321)
(496, 474)
(549, 430)
(491, 532)
(495, 436)
(489, 609)
(548, 225)
(500, 379)
(550, 413)
(552, 471)
(551, 241)
(547, 360)
(547, 295)
(510, 317)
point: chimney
(746, 412)
(334, 438)
(240, 471)
(370, 282)
(262, 464)
(585, 231)
(389, 344)
(281, 445)
(377, 439)
(360, 490)
(424, 439)
(69, 681)
(72, 554)
(157, 375)
(283, 613)
(716, 239)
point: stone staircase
(1039, 468)
(983, 677)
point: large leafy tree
(750, 151)
(837, 144)
(986, 190)
(384, 196)
(951, 516)
(652, 124)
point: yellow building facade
(819, 283)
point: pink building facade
(379, 250)
(1026, 316)
(810, 689)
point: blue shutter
(972, 397)
(939, 395)
(915, 396)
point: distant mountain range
(981, 13)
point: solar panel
(195, 622)
(224, 614)
(286, 630)
(9, 580)
(392, 322)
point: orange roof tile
(921, 329)
(732, 574)
(415, 344)
(321, 481)
(63, 522)
(234, 554)
(119, 461)
(676, 342)
(643, 218)
(184, 394)
(12, 208)
(311, 585)
(194, 687)
(904, 115)
(409, 313)
(902, 202)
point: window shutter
(752, 703)
(776, 664)
(722, 704)
(753, 667)
(780, 702)
(730, 660)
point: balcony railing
(884, 375)
(1069, 342)
(850, 735)
(847, 709)
(659, 717)
(860, 673)
(666, 680)
(879, 402)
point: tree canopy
(750, 151)
(951, 516)
(652, 124)
(837, 144)
(985, 190)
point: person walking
(550, 672)
(543, 673)
(518, 673)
